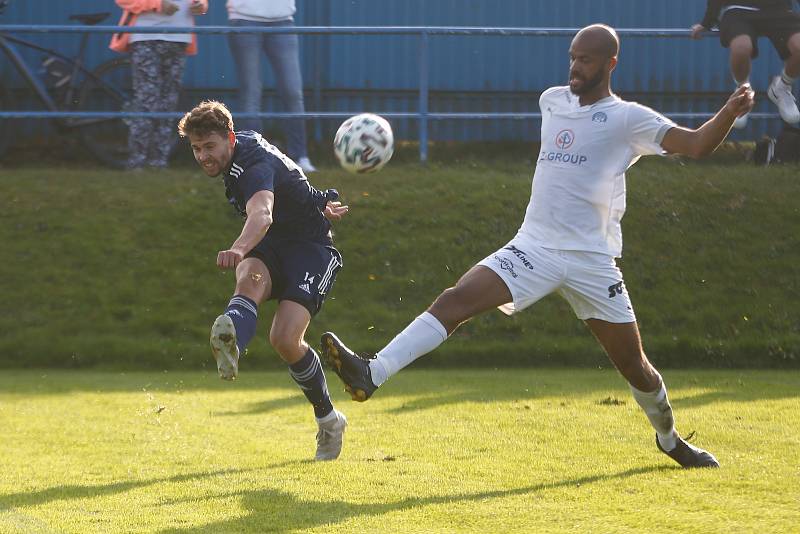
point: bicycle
(69, 86)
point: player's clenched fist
(229, 259)
(742, 100)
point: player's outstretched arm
(705, 139)
(259, 219)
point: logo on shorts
(599, 117)
(564, 139)
(615, 290)
(521, 255)
(306, 285)
(506, 265)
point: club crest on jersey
(564, 139)
(599, 117)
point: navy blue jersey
(259, 166)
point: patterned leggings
(157, 72)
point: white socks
(424, 334)
(333, 416)
(785, 78)
(658, 410)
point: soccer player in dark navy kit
(284, 253)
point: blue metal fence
(477, 65)
(427, 80)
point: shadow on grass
(69, 492)
(272, 510)
(271, 405)
(422, 389)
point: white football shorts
(591, 282)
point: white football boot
(330, 437)
(781, 95)
(223, 346)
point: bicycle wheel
(7, 126)
(108, 88)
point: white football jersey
(578, 192)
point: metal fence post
(423, 96)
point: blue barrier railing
(423, 115)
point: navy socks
(308, 374)
(244, 314)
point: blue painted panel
(467, 73)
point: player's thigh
(253, 279)
(478, 290)
(510, 279)
(621, 341)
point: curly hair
(206, 118)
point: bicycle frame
(7, 46)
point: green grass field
(114, 273)
(523, 450)
(104, 268)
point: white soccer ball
(364, 143)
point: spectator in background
(282, 50)
(158, 61)
(741, 23)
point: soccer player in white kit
(570, 236)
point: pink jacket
(130, 11)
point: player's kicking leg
(624, 347)
(479, 290)
(234, 329)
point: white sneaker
(305, 164)
(330, 437)
(223, 346)
(741, 122)
(781, 95)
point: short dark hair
(208, 117)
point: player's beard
(217, 165)
(588, 85)
(214, 170)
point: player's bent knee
(285, 343)
(794, 46)
(252, 284)
(451, 308)
(742, 46)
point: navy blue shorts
(301, 271)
